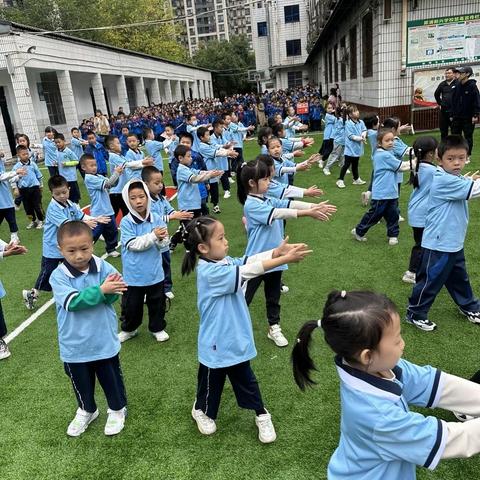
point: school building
(388, 56)
(58, 80)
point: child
(380, 438)
(50, 151)
(355, 137)
(169, 144)
(238, 131)
(134, 154)
(24, 140)
(425, 149)
(192, 127)
(154, 148)
(30, 188)
(222, 139)
(293, 124)
(153, 178)
(85, 288)
(98, 151)
(371, 124)
(384, 202)
(60, 210)
(7, 208)
(142, 234)
(67, 163)
(338, 134)
(443, 259)
(213, 154)
(123, 140)
(98, 187)
(6, 250)
(290, 145)
(77, 143)
(265, 231)
(225, 338)
(327, 144)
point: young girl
(379, 437)
(384, 191)
(337, 154)
(355, 137)
(371, 124)
(327, 144)
(293, 124)
(225, 336)
(50, 151)
(264, 220)
(425, 149)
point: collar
(93, 267)
(138, 220)
(370, 384)
(154, 198)
(209, 260)
(63, 205)
(259, 198)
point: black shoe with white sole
(423, 324)
(473, 317)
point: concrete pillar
(140, 91)
(66, 91)
(201, 90)
(175, 89)
(98, 94)
(155, 91)
(122, 95)
(168, 91)
(196, 93)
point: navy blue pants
(109, 374)
(387, 209)
(109, 232)
(3, 326)
(52, 171)
(74, 192)
(440, 269)
(9, 215)
(167, 281)
(416, 255)
(244, 383)
(272, 286)
(47, 267)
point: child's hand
(323, 211)
(303, 166)
(228, 145)
(119, 169)
(14, 249)
(297, 253)
(232, 154)
(113, 284)
(103, 219)
(147, 162)
(308, 141)
(313, 191)
(91, 222)
(315, 158)
(215, 173)
(160, 232)
(21, 172)
(284, 247)
(181, 215)
(16, 192)
(251, 128)
(298, 153)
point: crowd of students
(380, 437)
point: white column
(155, 91)
(196, 93)
(168, 91)
(66, 91)
(140, 91)
(122, 95)
(201, 89)
(176, 92)
(98, 93)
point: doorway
(7, 121)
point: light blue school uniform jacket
(447, 216)
(133, 156)
(380, 438)
(99, 196)
(6, 197)
(330, 120)
(339, 132)
(76, 147)
(220, 142)
(154, 150)
(208, 152)
(90, 333)
(225, 336)
(400, 148)
(353, 148)
(385, 168)
(418, 203)
(33, 178)
(188, 196)
(49, 152)
(237, 134)
(116, 160)
(69, 173)
(161, 206)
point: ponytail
(420, 149)
(414, 171)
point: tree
(159, 40)
(232, 59)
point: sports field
(160, 439)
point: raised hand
(113, 284)
(103, 219)
(14, 249)
(181, 215)
(147, 162)
(215, 173)
(21, 172)
(297, 253)
(91, 222)
(298, 153)
(315, 158)
(313, 191)
(160, 232)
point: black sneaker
(425, 325)
(473, 317)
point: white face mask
(195, 123)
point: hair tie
(298, 340)
(187, 251)
(243, 164)
(343, 293)
(319, 323)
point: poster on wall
(443, 40)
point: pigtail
(242, 189)
(414, 171)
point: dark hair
(271, 121)
(59, 136)
(21, 148)
(73, 129)
(371, 121)
(273, 139)
(147, 173)
(90, 132)
(135, 185)
(170, 126)
(421, 147)
(198, 230)
(217, 122)
(263, 133)
(57, 181)
(452, 141)
(73, 229)
(84, 158)
(201, 131)
(186, 135)
(266, 159)
(180, 151)
(131, 134)
(109, 140)
(392, 122)
(253, 170)
(50, 130)
(189, 116)
(276, 129)
(351, 322)
(146, 131)
(381, 133)
(23, 135)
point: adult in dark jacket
(465, 105)
(443, 96)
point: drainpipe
(403, 68)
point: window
(387, 9)
(53, 98)
(367, 44)
(353, 52)
(335, 62)
(221, 27)
(262, 29)
(294, 79)
(294, 48)
(190, 22)
(292, 13)
(220, 18)
(343, 64)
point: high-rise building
(206, 20)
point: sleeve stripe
(237, 279)
(189, 178)
(129, 241)
(470, 190)
(69, 298)
(270, 217)
(399, 165)
(438, 447)
(435, 388)
(245, 259)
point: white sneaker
(81, 422)
(348, 172)
(340, 184)
(357, 237)
(400, 218)
(359, 181)
(326, 171)
(284, 289)
(227, 194)
(392, 240)
(124, 336)
(4, 351)
(462, 417)
(30, 297)
(161, 336)
(115, 421)
(170, 295)
(275, 334)
(14, 238)
(113, 254)
(320, 164)
(231, 180)
(205, 424)
(17, 207)
(216, 209)
(266, 430)
(31, 225)
(366, 198)
(39, 225)
(408, 277)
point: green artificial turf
(160, 439)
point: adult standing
(443, 97)
(101, 124)
(465, 105)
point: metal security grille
(53, 98)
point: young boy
(85, 288)
(67, 163)
(30, 188)
(77, 143)
(123, 140)
(98, 151)
(50, 151)
(170, 144)
(134, 154)
(142, 234)
(443, 260)
(100, 206)
(192, 127)
(237, 131)
(154, 148)
(6, 250)
(60, 210)
(212, 154)
(222, 138)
